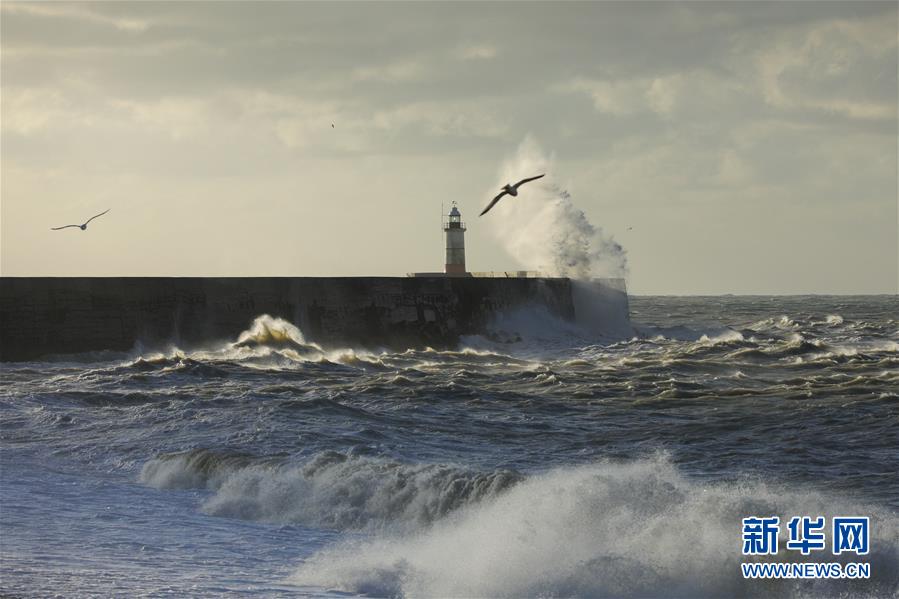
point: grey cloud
(657, 105)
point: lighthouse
(455, 242)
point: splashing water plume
(268, 330)
(542, 228)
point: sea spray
(543, 229)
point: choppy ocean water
(558, 464)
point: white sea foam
(727, 336)
(638, 529)
(700, 332)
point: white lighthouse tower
(455, 242)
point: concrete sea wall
(40, 316)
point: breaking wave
(626, 529)
(275, 332)
(332, 490)
(268, 342)
(636, 529)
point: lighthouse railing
(458, 224)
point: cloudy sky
(729, 148)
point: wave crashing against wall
(543, 228)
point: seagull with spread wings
(512, 190)
(82, 227)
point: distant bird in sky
(332, 125)
(629, 228)
(512, 190)
(82, 227)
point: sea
(536, 460)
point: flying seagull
(512, 190)
(82, 227)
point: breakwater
(40, 316)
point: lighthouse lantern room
(455, 242)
